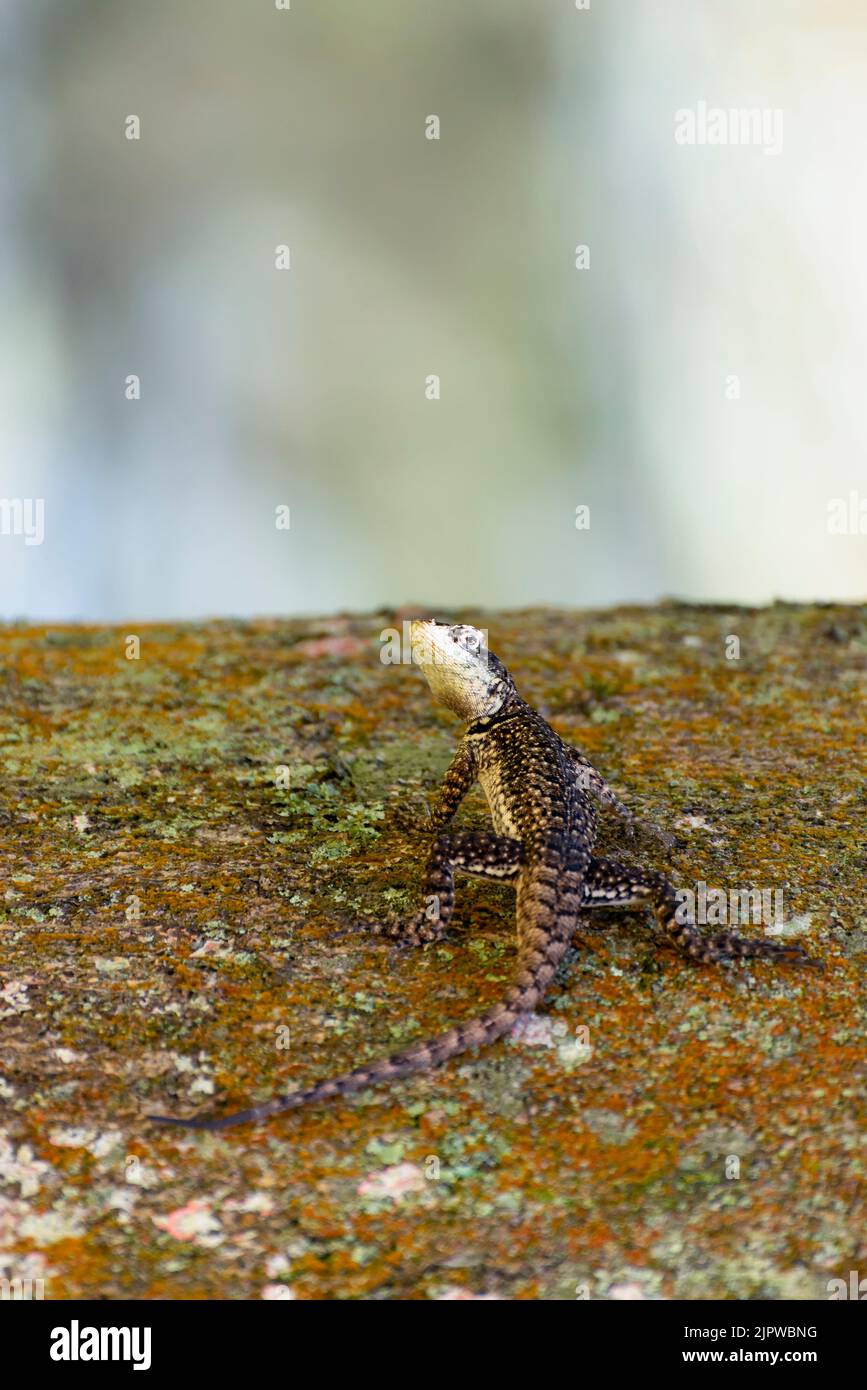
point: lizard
(542, 794)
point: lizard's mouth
(430, 634)
(429, 640)
(436, 640)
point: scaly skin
(541, 796)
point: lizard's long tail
(539, 953)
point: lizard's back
(532, 787)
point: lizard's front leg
(472, 852)
(459, 777)
(610, 884)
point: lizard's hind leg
(610, 884)
(476, 852)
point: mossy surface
(178, 935)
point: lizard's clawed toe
(796, 955)
(410, 817)
(381, 930)
(782, 953)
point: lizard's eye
(466, 637)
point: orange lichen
(203, 907)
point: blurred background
(699, 385)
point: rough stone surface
(178, 934)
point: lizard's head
(462, 674)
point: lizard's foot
(411, 816)
(663, 837)
(634, 828)
(611, 884)
(418, 930)
(731, 946)
(472, 851)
